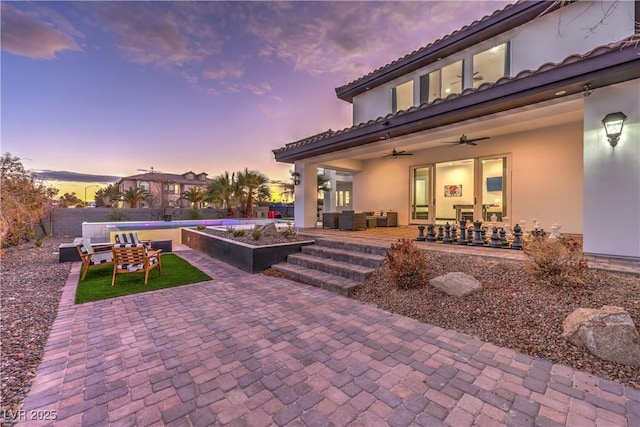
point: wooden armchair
(131, 239)
(132, 259)
(93, 256)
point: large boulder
(456, 284)
(608, 333)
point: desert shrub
(256, 233)
(238, 233)
(288, 232)
(194, 213)
(406, 266)
(559, 262)
(25, 201)
(201, 227)
(117, 214)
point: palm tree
(252, 183)
(194, 195)
(324, 184)
(223, 190)
(133, 196)
(288, 188)
(108, 196)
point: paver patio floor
(253, 350)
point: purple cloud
(36, 35)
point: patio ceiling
(552, 113)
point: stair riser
(331, 269)
(353, 258)
(314, 281)
(354, 247)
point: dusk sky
(107, 88)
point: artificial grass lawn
(175, 272)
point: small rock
(456, 284)
(608, 333)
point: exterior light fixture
(613, 123)
(296, 178)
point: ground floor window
(474, 188)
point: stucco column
(612, 175)
(306, 196)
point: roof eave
(512, 17)
(602, 70)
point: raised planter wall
(252, 259)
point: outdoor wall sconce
(296, 178)
(613, 123)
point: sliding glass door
(420, 194)
(493, 173)
(461, 189)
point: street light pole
(85, 193)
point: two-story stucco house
(503, 117)
(165, 189)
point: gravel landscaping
(513, 310)
(32, 283)
(269, 237)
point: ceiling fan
(395, 154)
(465, 141)
(476, 78)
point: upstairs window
(442, 82)
(144, 185)
(490, 65)
(402, 97)
(171, 188)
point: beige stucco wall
(546, 176)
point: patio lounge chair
(349, 220)
(330, 219)
(387, 219)
(93, 256)
(131, 239)
(132, 259)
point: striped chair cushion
(85, 248)
(127, 238)
(128, 245)
(136, 267)
(101, 258)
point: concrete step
(357, 258)
(338, 268)
(353, 247)
(319, 279)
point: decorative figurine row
(500, 237)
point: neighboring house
(537, 79)
(165, 189)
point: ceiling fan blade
(395, 153)
(477, 139)
(465, 141)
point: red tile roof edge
(600, 50)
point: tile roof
(167, 177)
(625, 44)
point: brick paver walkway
(253, 350)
